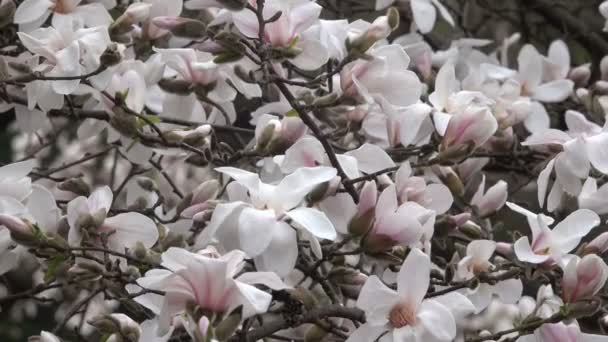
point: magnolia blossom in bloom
(89, 216)
(583, 277)
(552, 245)
(33, 13)
(207, 280)
(255, 220)
(285, 33)
(477, 261)
(66, 52)
(385, 77)
(405, 315)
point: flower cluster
(274, 170)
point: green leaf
(53, 266)
(292, 113)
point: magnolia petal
(569, 232)
(414, 277)
(315, 221)
(293, 188)
(30, 10)
(425, 15)
(132, 228)
(313, 55)
(555, 91)
(437, 320)
(524, 252)
(256, 228)
(371, 158)
(376, 299)
(282, 252)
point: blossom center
(402, 315)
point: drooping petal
(524, 252)
(131, 228)
(315, 221)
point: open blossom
(66, 52)
(477, 261)
(551, 245)
(33, 13)
(206, 280)
(395, 224)
(405, 315)
(385, 77)
(583, 277)
(89, 216)
(255, 219)
(286, 32)
(410, 188)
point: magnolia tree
(279, 170)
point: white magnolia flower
(255, 219)
(31, 14)
(67, 53)
(476, 261)
(89, 216)
(405, 315)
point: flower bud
(583, 278)
(315, 334)
(120, 327)
(7, 11)
(21, 231)
(176, 86)
(580, 75)
(364, 217)
(471, 230)
(110, 56)
(76, 186)
(272, 128)
(147, 184)
(135, 13)
(504, 248)
(490, 202)
(182, 27)
(380, 29)
(124, 123)
(601, 87)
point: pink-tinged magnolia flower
(404, 315)
(410, 188)
(393, 224)
(14, 180)
(385, 77)
(16, 226)
(123, 230)
(552, 245)
(474, 127)
(477, 261)
(255, 218)
(561, 332)
(286, 32)
(583, 278)
(31, 14)
(491, 201)
(207, 280)
(201, 197)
